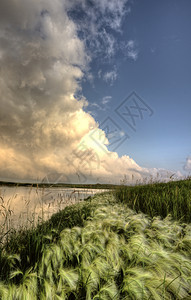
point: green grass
(30, 243)
(159, 199)
(103, 249)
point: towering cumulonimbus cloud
(44, 129)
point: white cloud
(110, 41)
(96, 105)
(90, 77)
(100, 19)
(41, 67)
(110, 76)
(106, 99)
(130, 44)
(133, 54)
(187, 166)
(99, 73)
(130, 49)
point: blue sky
(95, 90)
(160, 74)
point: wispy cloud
(96, 105)
(106, 99)
(115, 11)
(110, 76)
(130, 49)
(187, 166)
(133, 54)
(97, 21)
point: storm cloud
(44, 128)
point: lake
(26, 206)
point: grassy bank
(99, 249)
(159, 199)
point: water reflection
(25, 206)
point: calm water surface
(25, 206)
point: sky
(95, 90)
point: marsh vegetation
(110, 246)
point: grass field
(159, 199)
(131, 243)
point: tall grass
(159, 199)
(24, 208)
(98, 249)
(30, 243)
